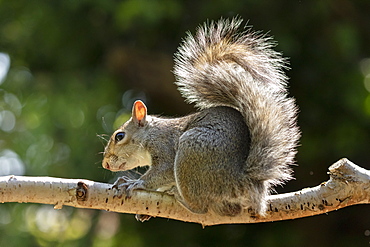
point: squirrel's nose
(106, 165)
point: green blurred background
(70, 70)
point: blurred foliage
(70, 70)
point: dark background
(75, 67)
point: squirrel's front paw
(125, 186)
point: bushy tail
(221, 66)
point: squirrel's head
(124, 150)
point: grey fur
(241, 142)
(223, 67)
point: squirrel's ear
(139, 112)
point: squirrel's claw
(125, 186)
(121, 180)
(142, 217)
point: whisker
(103, 137)
(137, 172)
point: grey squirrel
(228, 155)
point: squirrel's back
(221, 66)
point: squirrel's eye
(119, 136)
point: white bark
(348, 185)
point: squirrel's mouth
(114, 169)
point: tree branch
(348, 185)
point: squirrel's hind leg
(227, 208)
(197, 209)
